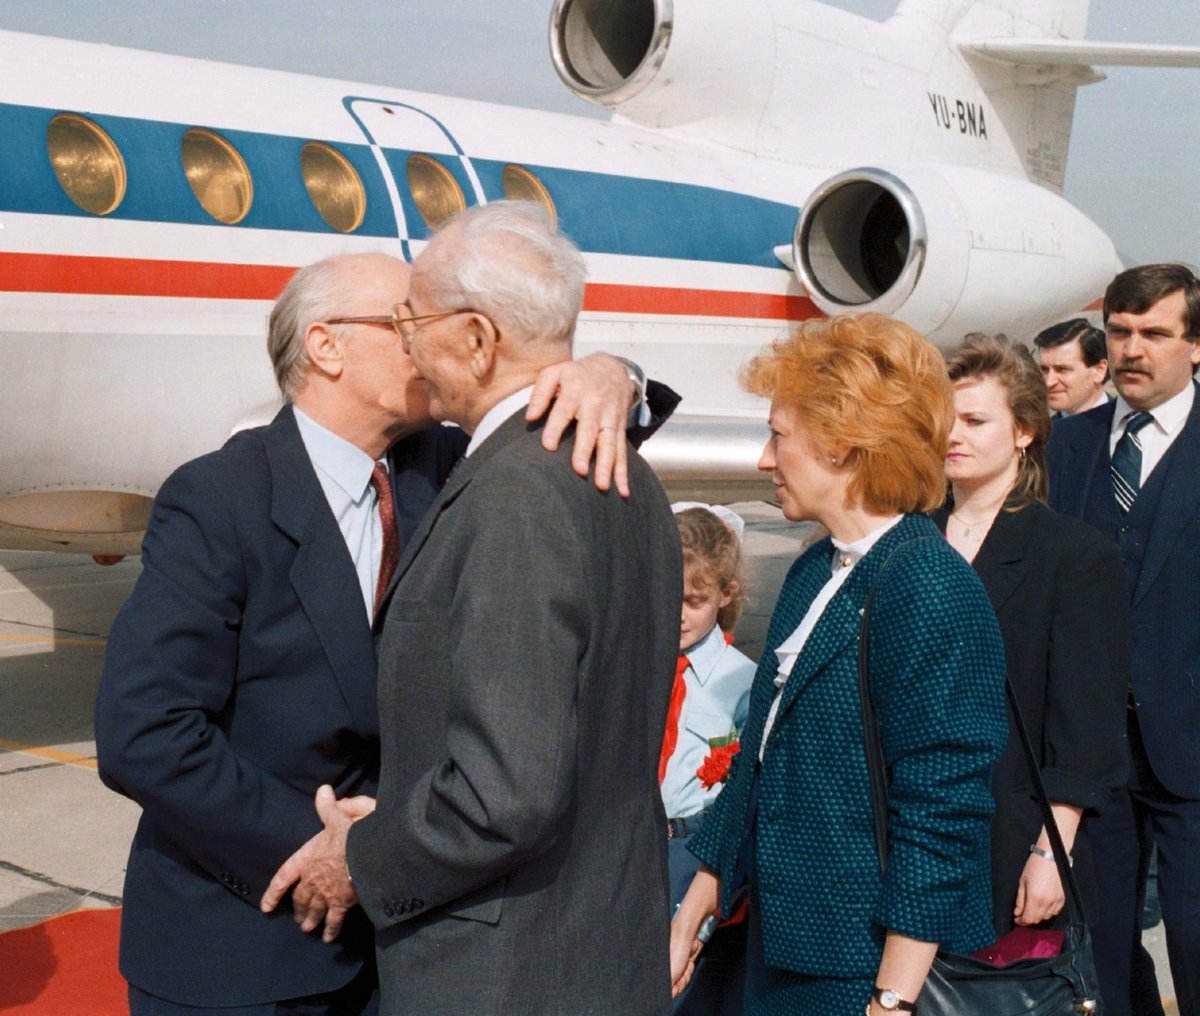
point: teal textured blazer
(937, 674)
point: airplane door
(427, 174)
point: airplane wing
(1082, 53)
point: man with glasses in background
(240, 675)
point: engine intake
(945, 247)
(635, 57)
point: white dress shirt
(344, 472)
(1155, 437)
(495, 416)
(846, 556)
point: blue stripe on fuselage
(603, 213)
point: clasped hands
(323, 891)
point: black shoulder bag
(960, 985)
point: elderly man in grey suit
(516, 860)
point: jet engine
(945, 247)
(634, 57)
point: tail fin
(1031, 57)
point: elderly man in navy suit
(1132, 469)
(240, 675)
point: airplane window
(87, 163)
(334, 186)
(217, 175)
(434, 189)
(521, 185)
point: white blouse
(845, 557)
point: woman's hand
(1039, 893)
(699, 901)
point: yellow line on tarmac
(51, 640)
(54, 754)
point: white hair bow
(733, 521)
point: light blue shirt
(344, 472)
(718, 680)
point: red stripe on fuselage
(59, 273)
(65, 273)
(603, 296)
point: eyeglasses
(405, 327)
(381, 320)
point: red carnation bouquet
(715, 767)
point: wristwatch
(639, 412)
(890, 1001)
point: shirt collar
(703, 656)
(1168, 417)
(495, 416)
(849, 554)
(1100, 400)
(344, 463)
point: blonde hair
(874, 388)
(712, 553)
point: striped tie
(1127, 461)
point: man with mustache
(1132, 469)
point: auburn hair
(874, 389)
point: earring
(1022, 450)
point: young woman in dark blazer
(1058, 591)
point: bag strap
(877, 771)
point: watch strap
(891, 1000)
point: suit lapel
(460, 477)
(1177, 479)
(322, 572)
(1002, 563)
(840, 623)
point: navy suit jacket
(937, 677)
(1159, 541)
(247, 622)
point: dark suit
(240, 676)
(937, 671)
(1159, 542)
(1058, 592)
(517, 861)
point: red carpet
(66, 966)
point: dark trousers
(1135, 820)
(358, 998)
(717, 986)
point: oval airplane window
(333, 185)
(434, 189)
(521, 185)
(87, 163)
(217, 175)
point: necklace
(968, 526)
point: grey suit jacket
(516, 862)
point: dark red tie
(387, 521)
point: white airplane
(765, 161)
